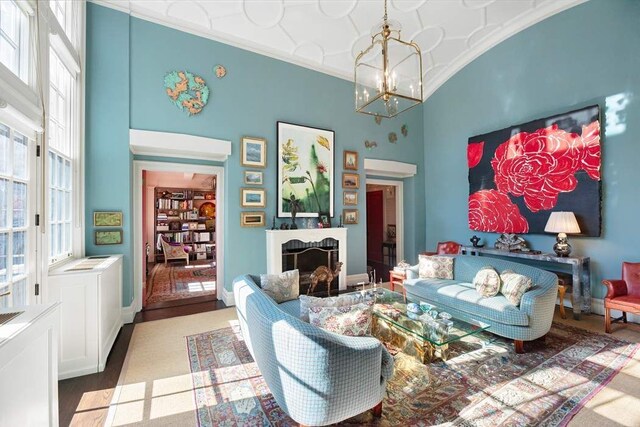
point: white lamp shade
(562, 222)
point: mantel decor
(305, 170)
(519, 174)
(388, 73)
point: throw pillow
(514, 286)
(435, 267)
(281, 287)
(352, 320)
(487, 281)
(340, 301)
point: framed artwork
(253, 152)
(325, 219)
(520, 174)
(350, 180)
(252, 219)
(107, 219)
(350, 198)
(108, 237)
(253, 178)
(253, 197)
(305, 170)
(350, 216)
(350, 160)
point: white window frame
(22, 43)
(29, 227)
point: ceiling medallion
(388, 74)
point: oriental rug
(177, 281)
(484, 383)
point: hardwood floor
(84, 401)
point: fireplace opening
(307, 257)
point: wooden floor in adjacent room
(84, 401)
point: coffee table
(425, 336)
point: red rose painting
(493, 211)
(540, 166)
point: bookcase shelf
(195, 231)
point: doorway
(179, 237)
(384, 226)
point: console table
(580, 271)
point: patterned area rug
(484, 383)
(177, 281)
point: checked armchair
(623, 294)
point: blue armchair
(317, 377)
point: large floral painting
(519, 175)
(305, 170)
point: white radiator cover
(90, 313)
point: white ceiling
(327, 35)
(178, 180)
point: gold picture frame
(350, 198)
(253, 178)
(350, 216)
(107, 219)
(350, 180)
(350, 160)
(108, 237)
(252, 219)
(253, 152)
(253, 197)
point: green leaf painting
(305, 169)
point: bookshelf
(177, 218)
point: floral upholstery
(351, 320)
(174, 251)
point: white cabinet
(90, 293)
(29, 367)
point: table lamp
(562, 223)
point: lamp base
(562, 248)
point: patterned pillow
(281, 287)
(487, 281)
(340, 301)
(435, 267)
(351, 320)
(514, 286)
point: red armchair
(623, 295)
(445, 248)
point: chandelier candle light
(562, 223)
(388, 74)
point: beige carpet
(155, 387)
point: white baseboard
(227, 298)
(128, 313)
(597, 307)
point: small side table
(397, 278)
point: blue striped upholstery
(317, 377)
(531, 320)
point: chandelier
(388, 74)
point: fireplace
(307, 249)
(306, 257)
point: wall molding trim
(227, 298)
(389, 168)
(128, 313)
(178, 145)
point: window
(14, 37)
(60, 159)
(15, 231)
(66, 13)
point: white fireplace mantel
(276, 238)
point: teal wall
(107, 157)
(257, 92)
(586, 55)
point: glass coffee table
(425, 333)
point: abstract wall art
(187, 91)
(520, 174)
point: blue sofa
(317, 377)
(531, 320)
